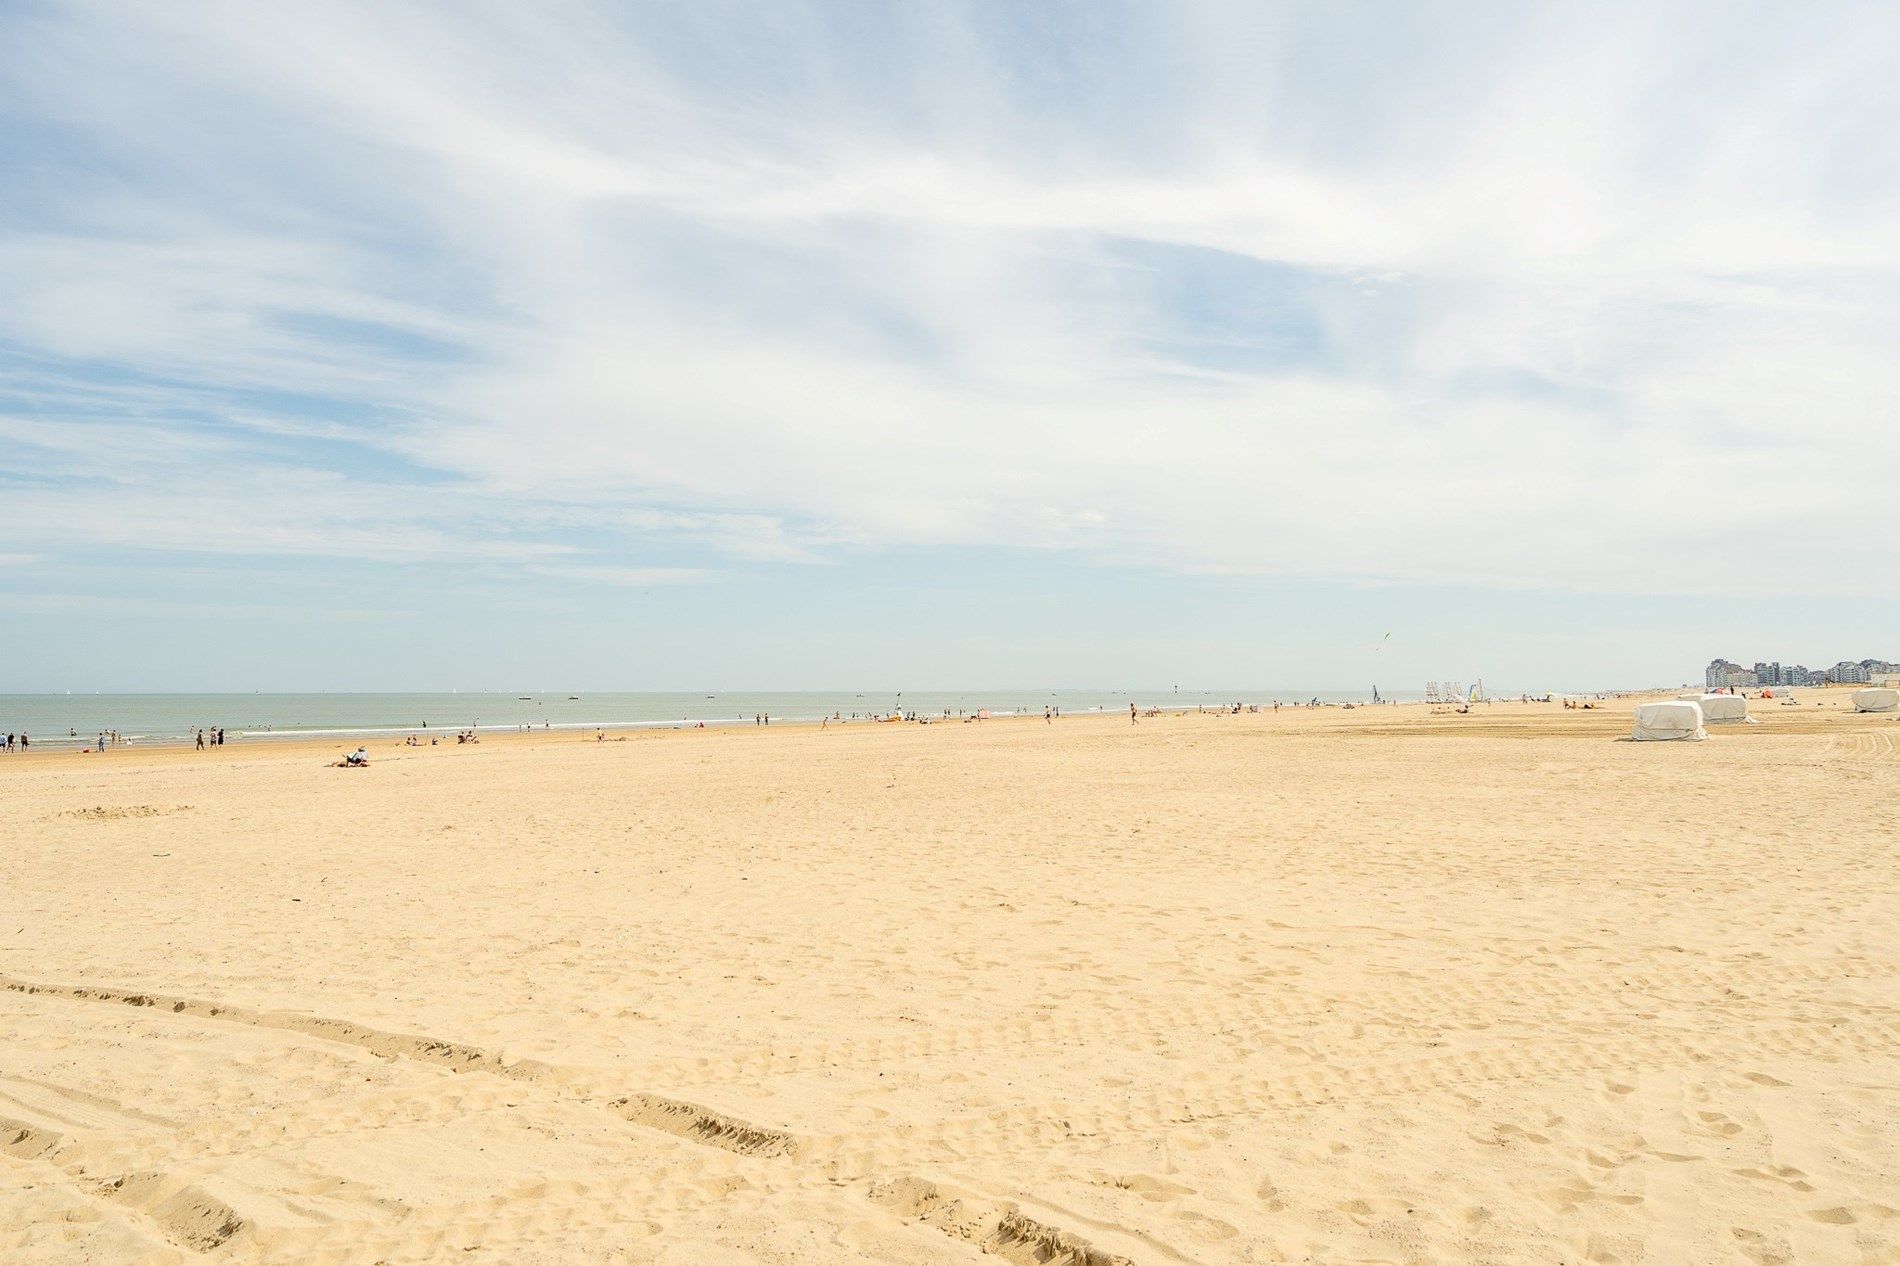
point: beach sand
(1323, 986)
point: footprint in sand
(1674, 1158)
(1150, 1188)
(1597, 1160)
(1844, 1215)
(1785, 1174)
(1202, 1227)
(1760, 1248)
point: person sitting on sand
(357, 759)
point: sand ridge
(1367, 985)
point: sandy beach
(1343, 986)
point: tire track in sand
(161, 1205)
(198, 1222)
(657, 1112)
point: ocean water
(77, 719)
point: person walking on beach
(1131, 715)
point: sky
(660, 346)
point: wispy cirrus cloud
(629, 577)
(1520, 297)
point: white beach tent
(1877, 699)
(1725, 710)
(1669, 719)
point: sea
(77, 720)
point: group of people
(461, 736)
(113, 738)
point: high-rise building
(1849, 671)
(1767, 674)
(1719, 672)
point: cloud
(1583, 300)
(627, 577)
(64, 605)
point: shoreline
(76, 721)
(148, 732)
(71, 742)
(1610, 718)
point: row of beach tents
(1684, 718)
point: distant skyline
(655, 347)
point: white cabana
(1669, 719)
(1877, 699)
(1725, 710)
